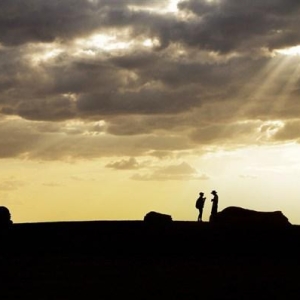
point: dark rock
(5, 217)
(240, 216)
(156, 218)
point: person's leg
(200, 214)
(214, 210)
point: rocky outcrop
(157, 218)
(5, 217)
(240, 216)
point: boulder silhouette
(233, 215)
(157, 218)
(5, 217)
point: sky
(110, 109)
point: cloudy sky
(112, 108)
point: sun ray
(271, 78)
(294, 77)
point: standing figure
(214, 208)
(199, 205)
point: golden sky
(110, 109)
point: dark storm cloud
(85, 75)
(36, 20)
(45, 21)
(59, 108)
(185, 69)
(230, 25)
(144, 101)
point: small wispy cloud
(124, 164)
(248, 176)
(11, 184)
(182, 171)
(52, 184)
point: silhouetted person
(199, 205)
(5, 216)
(214, 208)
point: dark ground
(129, 260)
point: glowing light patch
(70, 96)
(104, 42)
(169, 7)
(46, 55)
(270, 128)
(172, 7)
(292, 51)
(151, 43)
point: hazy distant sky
(112, 108)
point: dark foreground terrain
(132, 260)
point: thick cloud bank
(130, 78)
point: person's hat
(201, 193)
(213, 192)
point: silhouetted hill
(113, 259)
